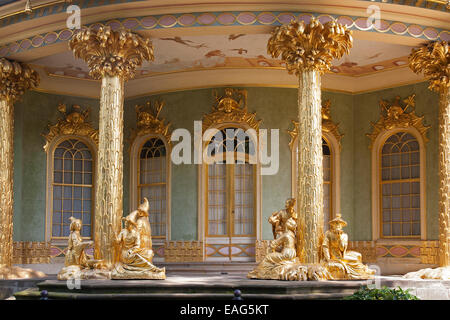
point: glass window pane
(402, 149)
(69, 169)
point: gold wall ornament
(307, 50)
(310, 46)
(148, 121)
(112, 56)
(232, 107)
(398, 114)
(15, 79)
(111, 53)
(328, 125)
(72, 123)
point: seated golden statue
(278, 219)
(135, 260)
(140, 218)
(341, 263)
(281, 262)
(76, 258)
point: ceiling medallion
(148, 121)
(73, 123)
(328, 125)
(230, 108)
(396, 115)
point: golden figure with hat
(133, 244)
(340, 262)
(281, 261)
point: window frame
(49, 189)
(377, 230)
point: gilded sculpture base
(75, 272)
(119, 273)
(11, 273)
(442, 273)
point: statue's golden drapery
(340, 262)
(282, 263)
(134, 247)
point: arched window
(152, 183)
(328, 183)
(400, 186)
(72, 188)
(398, 141)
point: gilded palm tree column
(113, 57)
(15, 79)
(433, 60)
(307, 50)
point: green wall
(366, 110)
(276, 107)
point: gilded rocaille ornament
(15, 79)
(134, 248)
(72, 123)
(433, 60)
(309, 46)
(231, 107)
(148, 121)
(111, 53)
(398, 114)
(307, 50)
(328, 125)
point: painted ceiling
(177, 54)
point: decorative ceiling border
(219, 19)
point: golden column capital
(433, 60)
(15, 79)
(307, 47)
(111, 53)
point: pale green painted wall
(32, 115)
(367, 109)
(275, 106)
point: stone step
(34, 293)
(193, 287)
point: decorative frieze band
(217, 19)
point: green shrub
(364, 293)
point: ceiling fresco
(178, 54)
